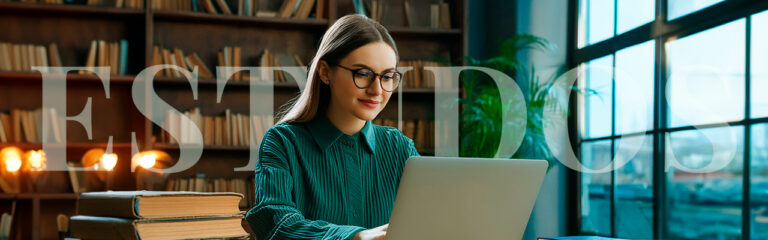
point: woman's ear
(323, 70)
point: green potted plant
(481, 116)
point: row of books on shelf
(418, 77)
(439, 13)
(18, 126)
(176, 57)
(108, 54)
(110, 3)
(232, 129)
(157, 215)
(297, 9)
(22, 57)
(228, 56)
(268, 59)
(421, 131)
(201, 183)
(375, 9)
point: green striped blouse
(315, 182)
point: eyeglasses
(364, 77)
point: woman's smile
(369, 103)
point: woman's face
(366, 103)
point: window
(598, 16)
(634, 88)
(602, 19)
(634, 13)
(598, 104)
(596, 199)
(759, 182)
(680, 110)
(759, 75)
(633, 81)
(706, 76)
(705, 205)
(679, 8)
(634, 189)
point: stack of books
(201, 183)
(157, 215)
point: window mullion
(746, 211)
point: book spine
(113, 206)
(87, 227)
(123, 56)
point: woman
(325, 171)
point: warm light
(36, 159)
(148, 160)
(92, 157)
(13, 164)
(108, 161)
(11, 157)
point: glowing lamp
(108, 161)
(36, 160)
(13, 164)
(11, 159)
(150, 159)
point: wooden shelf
(69, 9)
(71, 77)
(40, 196)
(199, 17)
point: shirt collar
(325, 133)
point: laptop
(465, 198)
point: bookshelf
(73, 27)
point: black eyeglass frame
(380, 75)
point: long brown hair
(344, 36)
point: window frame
(662, 31)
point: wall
(489, 23)
(547, 19)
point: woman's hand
(378, 233)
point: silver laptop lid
(465, 198)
